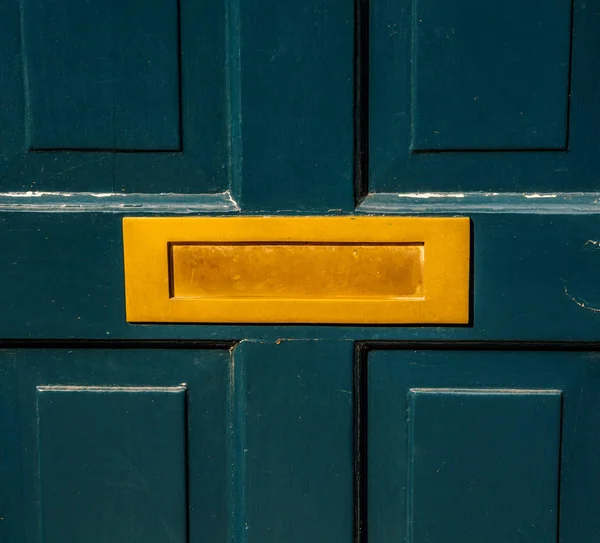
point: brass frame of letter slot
(321, 270)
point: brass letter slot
(298, 270)
(375, 270)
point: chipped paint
(572, 203)
(34, 194)
(48, 202)
(426, 195)
(581, 302)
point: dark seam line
(361, 100)
(307, 325)
(360, 445)
(471, 274)
(170, 268)
(365, 346)
(300, 243)
(180, 75)
(570, 77)
(186, 460)
(560, 455)
(115, 344)
(479, 345)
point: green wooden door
(113, 432)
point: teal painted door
(117, 433)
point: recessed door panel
(483, 462)
(102, 75)
(480, 96)
(117, 444)
(471, 446)
(112, 463)
(490, 75)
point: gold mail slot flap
(344, 270)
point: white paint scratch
(581, 302)
(425, 195)
(536, 195)
(33, 194)
(114, 201)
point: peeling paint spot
(536, 195)
(227, 195)
(432, 195)
(111, 201)
(33, 194)
(581, 302)
(594, 244)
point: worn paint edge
(74, 202)
(233, 72)
(85, 388)
(487, 391)
(481, 202)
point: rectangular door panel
(475, 446)
(112, 463)
(491, 75)
(102, 75)
(483, 464)
(113, 97)
(492, 97)
(117, 445)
